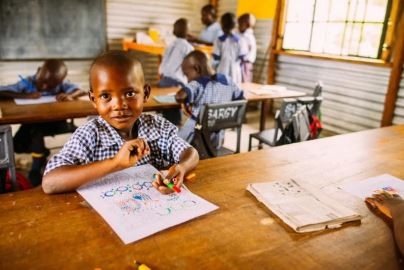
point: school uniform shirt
(27, 85)
(208, 90)
(228, 52)
(172, 59)
(211, 33)
(97, 140)
(249, 39)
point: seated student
(121, 136)
(392, 207)
(212, 30)
(49, 80)
(204, 87)
(170, 68)
(229, 50)
(246, 23)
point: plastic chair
(7, 161)
(214, 118)
(283, 120)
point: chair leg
(249, 144)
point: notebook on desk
(303, 209)
(268, 89)
(165, 99)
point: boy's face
(46, 80)
(189, 70)
(242, 26)
(206, 18)
(118, 96)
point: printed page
(135, 209)
(165, 99)
(367, 187)
(298, 206)
(268, 89)
(44, 99)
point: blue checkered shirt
(208, 90)
(97, 140)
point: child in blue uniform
(212, 30)
(246, 23)
(170, 68)
(49, 80)
(204, 87)
(229, 50)
(121, 136)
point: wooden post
(274, 42)
(395, 76)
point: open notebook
(303, 209)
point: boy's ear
(198, 69)
(146, 90)
(91, 96)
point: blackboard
(40, 29)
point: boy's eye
(104, 96)
(130, 94)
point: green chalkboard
(40, 29)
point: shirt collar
(110, 135)
(204, 80)
(233, 37)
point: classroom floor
(23, 161)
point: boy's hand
(186, 109)
(64, 97)
(130, 153)
(175, 175)
(33, 95)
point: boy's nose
(120, 103)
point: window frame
(388, 37)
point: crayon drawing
(135, 209)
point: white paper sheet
(366, 188)
(135, 209)
(44, 99)
(268, 89)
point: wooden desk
(59, 231)
(15, 114)
(157, 49)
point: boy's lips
(122, 118)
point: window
(338, 27)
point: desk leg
(264, 111)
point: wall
(124, 18)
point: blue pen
(29, 85)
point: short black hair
(180, 28)
(200, 59)
(55, 66)
(210, 9)
(228, 21)
(121, 60)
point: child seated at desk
(170, 68)
(229, 50)
(121, 136)
(246, 23)
(48, 80)
(204, 87)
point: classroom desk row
(61, 231)
(13, 114)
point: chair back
(301, 124)
(318, 89)
(212, 119)
(7, 154)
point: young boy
(49, 80)
(170, 68)
(203, 88)
(246, 23)
(212, 30)
(121, 136)
(229, 50)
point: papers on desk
(268, 89)
(41, 100)
(304, 209)
(166, 98)
(135, 209)
(367, 187)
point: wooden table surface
(158, 49)
(59, 231)
(14, 114)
